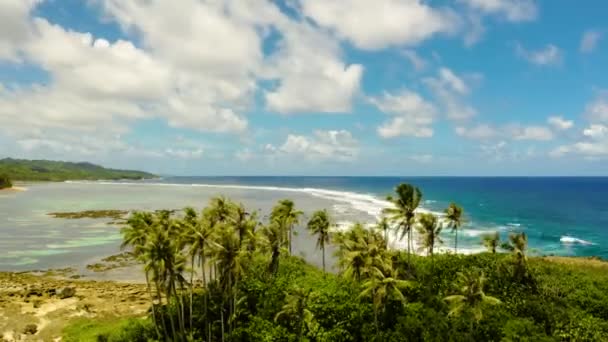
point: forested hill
(46, 170)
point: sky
(308, 87)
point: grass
(105, 329)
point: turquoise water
(563, 216)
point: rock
(37, 303)
(30, 329)
(33, 291)
(66, 292)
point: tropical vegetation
(5, 182)
(223, 274)
(46, 170)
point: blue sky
(308, 87)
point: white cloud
(184, 153)
(589, 41)
(244, 155)
(539, 133)
(332, 145)
(413, 57)
(512, 10)
(596, 131)
(512, 132)
(593, 144)
(413, 115)
(311, 76)
(597, 110)
(450, 90)
(547, 56)
(379, 24)
(422, 158)
(479, 132)
(560, 123)
(14, 26)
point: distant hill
(46, 170)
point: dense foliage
(251, 289)
(5, 182)
(45, 170)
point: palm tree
(135, 235)
(518, 245)
(429, 229)
(402, 214)
(359, 251)
(384, 285)
(453, 215)
(272, 241)
(296, 308)
(471, 298)
(384, 226)
(162, 256)
(287, 216)
(319, 224)
(230, 259)
(491, 242)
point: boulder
(66, 292)
(30, 329)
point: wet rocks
(66, 292)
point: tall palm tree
(296, 308)
(135, 235)
(384, 285)
(230, 260)
(454, 217)
(471, 297)
(518, 245)
(287, 216)
(403, 213)
(319, 224)
(272, 241)
(162, 255)
(384, 226)
(429, 229)
(359, 251)
(491, 242)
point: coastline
(48, 303)
(15, 189)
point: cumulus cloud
(451, 90)
(539, 133)
(14, 26)
(559, 123)
(332, 145)
(589, 41)
(478, 132)
(512, 10)
(412, 114)
(311, 75)
(546, 56)
(403, 22)
(593, 144)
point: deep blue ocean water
(560, 215)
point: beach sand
(14, 189)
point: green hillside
(46, 170)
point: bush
(5, 182)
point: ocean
(561, 216)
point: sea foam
(570, 240)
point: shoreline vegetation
(227, 274)
(57, 171)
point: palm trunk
(191, 293)
(153, 306)
(456, 242)
(323, 250)
(205, 294)
(290, 238)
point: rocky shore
(36, 307)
